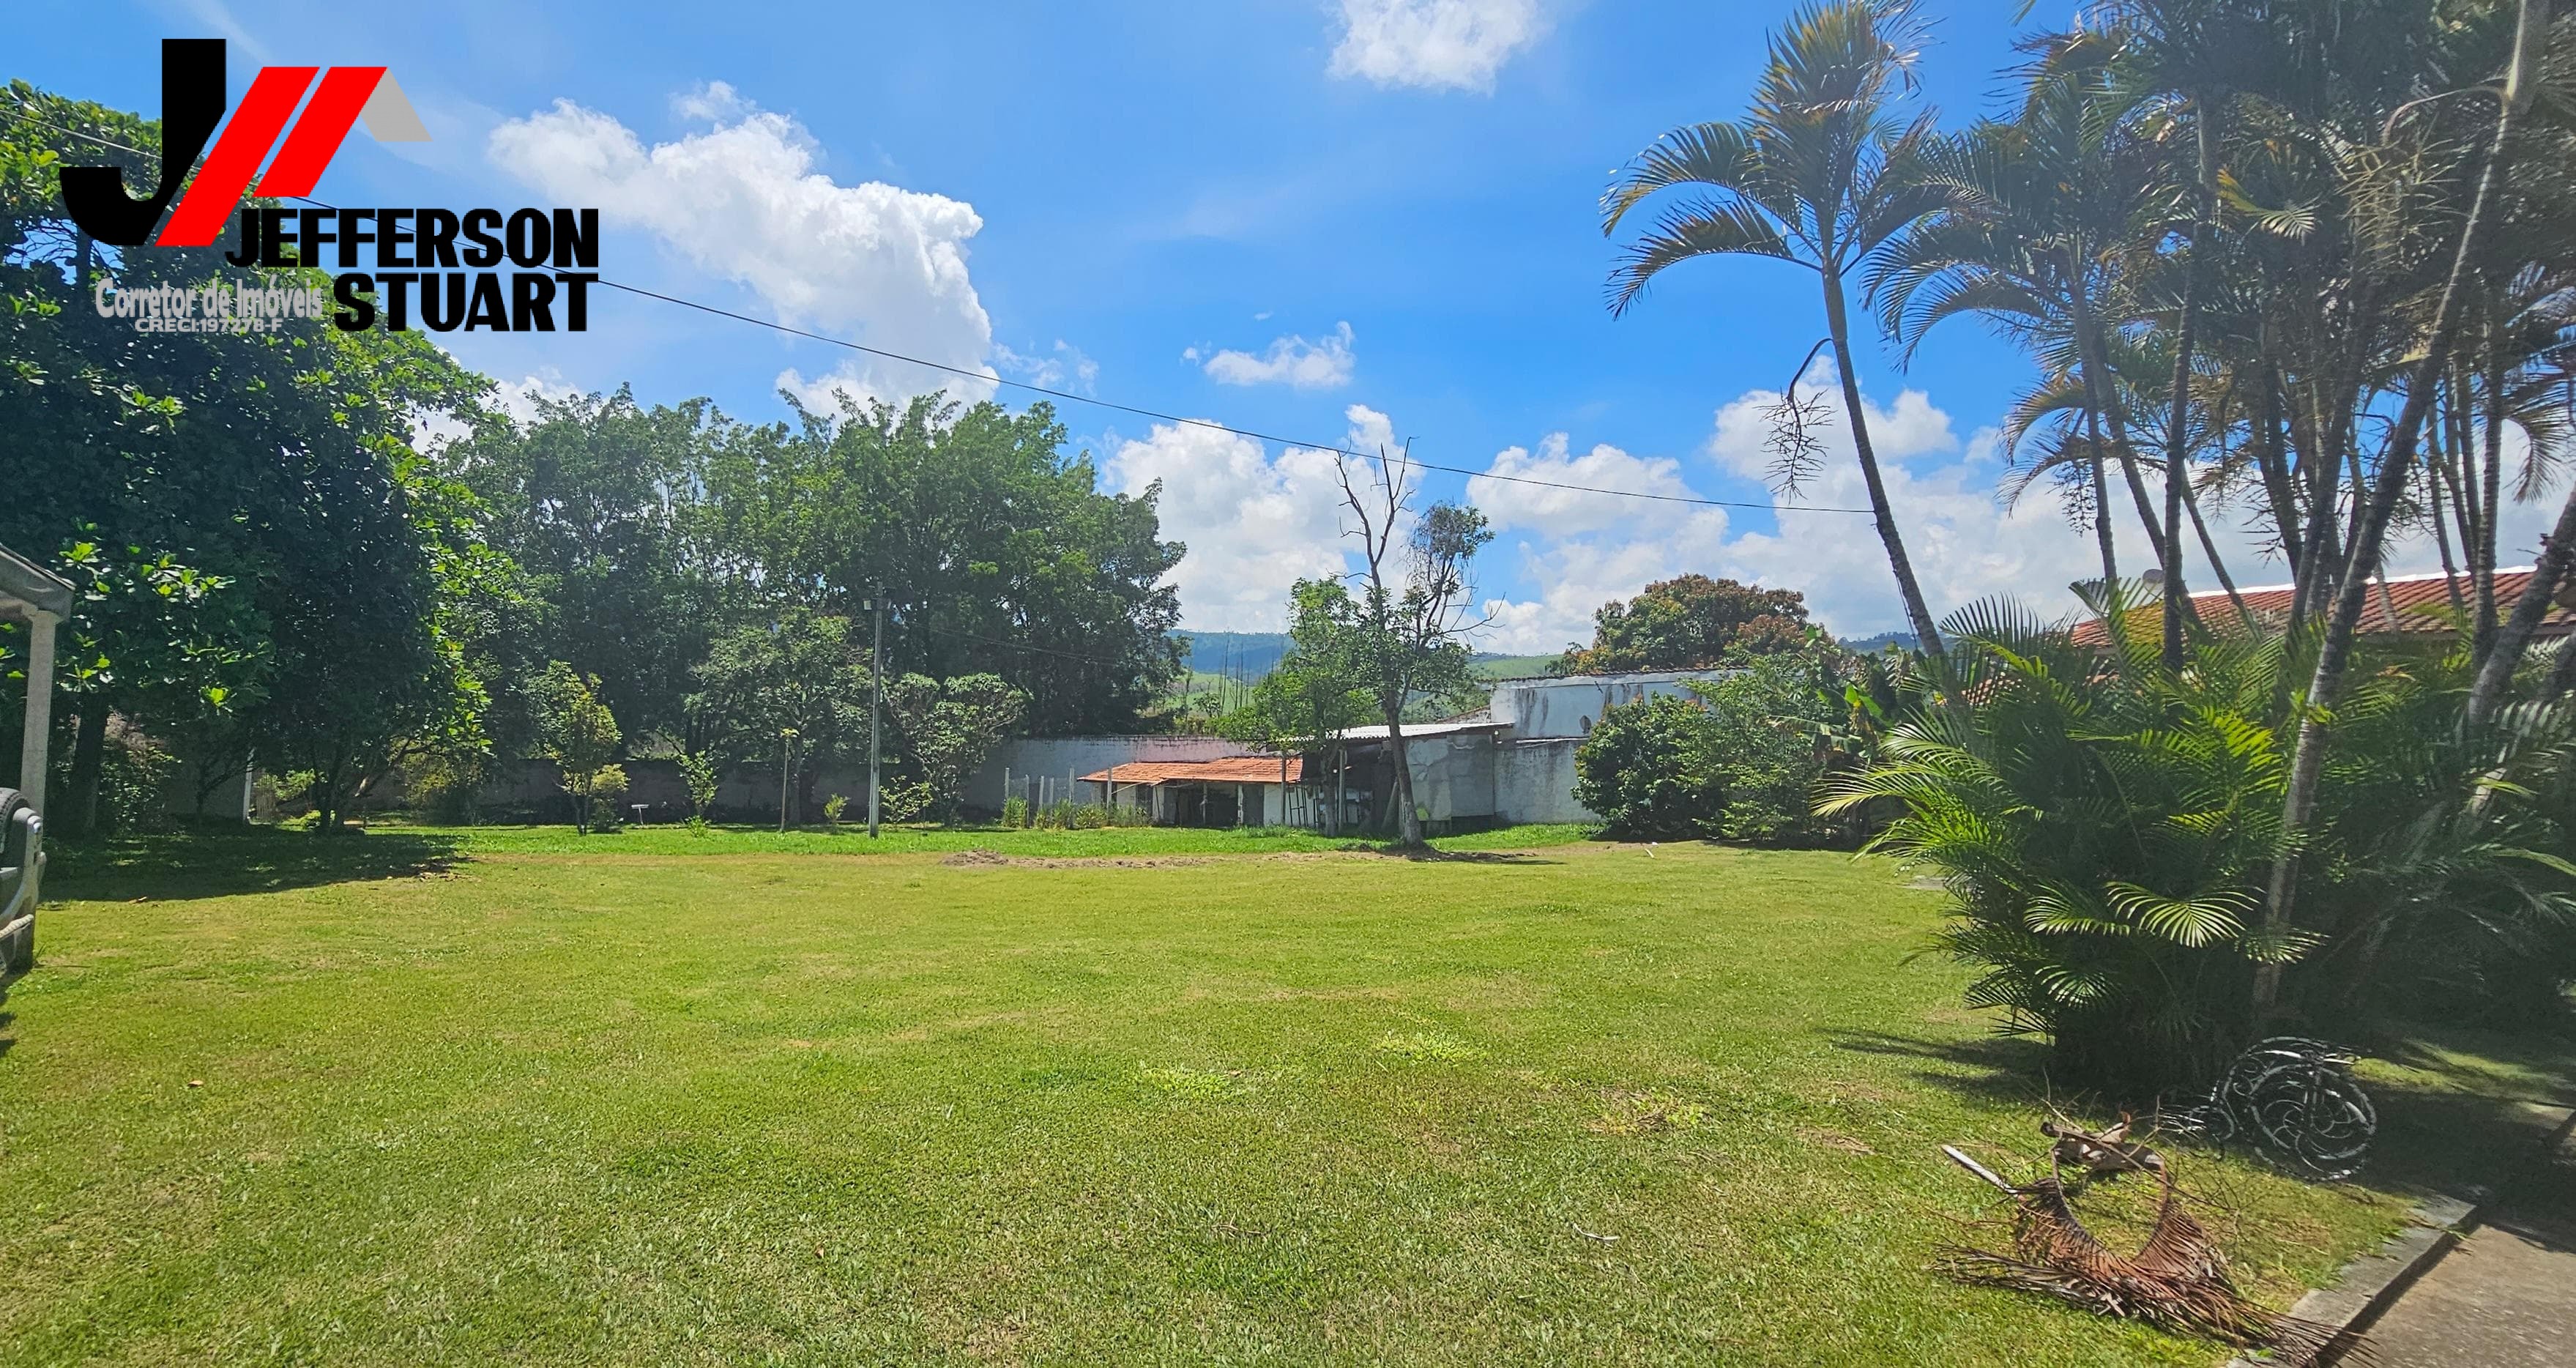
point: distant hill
(1245, 656)
(1487, 665)
(1869, 644)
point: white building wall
(1534, 782)
(1059, 756)
(1569, 706)
(1453, 774)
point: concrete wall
(1569, 706)
(1471, 775)
(1058, 756)
(1453, 774)
(1534, 782)
(229, 801)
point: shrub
(1647, 769)
(1739, 760)
(902, 802)
(1771, 739)
(833, 808)
(698, 771)
(606, 785)
(1015, 811)
(443, 784)
(2108, 829)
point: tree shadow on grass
(2470, 1108)
(2463, 1111)
(224, 862)
(1989, 1068)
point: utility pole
(876, 702)
(786, 770)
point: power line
(1071, 397)
(1024, 646)
(1210, 424)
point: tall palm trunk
(2104, 394)
(2484, 577)
(2334, 652)
(2513, 637)
(2217, 566)
(2204, 247)
(2272, 458)
(1838, 326)
(2101, 496)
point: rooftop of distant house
(2422, 604)
(1235, 769)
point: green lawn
(430, 1097)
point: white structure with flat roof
(37, 599)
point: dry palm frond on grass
(2177, 1281)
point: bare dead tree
(1415, 603)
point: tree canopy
(1688, 622)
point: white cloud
(1581, 550)
(743, 200)
(1290, 361)
(715, 102)
(1253, 524)
(518, 398)
(1434, 44)
(1584, 549)
(1964, 545)
(1053, 369)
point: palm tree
(1820, 173)
(2032, 218)
(2377, 500)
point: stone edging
(2368, 1284)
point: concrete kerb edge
(2369, 1284)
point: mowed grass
(419, 1098)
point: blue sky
(1326, 219)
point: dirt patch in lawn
(980, 858)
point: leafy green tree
(995, 548)
(601, 502)
(579, 733)
(1687, 622)
(274, 463)
(949, 726)
(1302, 706)
(1649, 768)
(149, 639)
(798, 678)
(1819, 173)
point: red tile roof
(2422, 603)
(1237, 769)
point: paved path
(2505, 1296)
